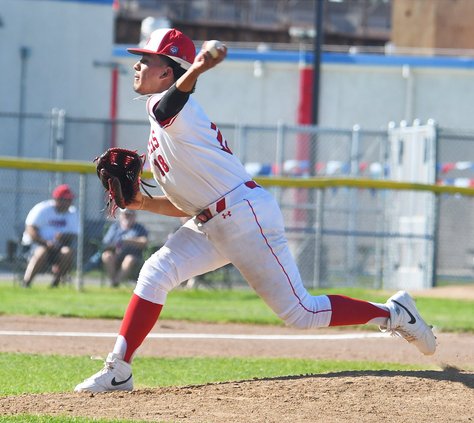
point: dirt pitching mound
(368, 396)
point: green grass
(221, 306)
(32, 373)
(24, 418)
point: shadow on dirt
(448, 373)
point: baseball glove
(120, 171)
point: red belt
(220, 205)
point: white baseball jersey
(49, 222)
(190, 158)
(192, 162)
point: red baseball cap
(171, 43)
(63, 191)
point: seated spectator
(124, 243)
(51, 228)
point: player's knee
(298, 322)
(157, 277)
(314, 313)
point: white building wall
(64, 39)
(367, 95)
(445, 96)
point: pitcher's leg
(186, 254)
(269, 267)
(275, 277)
(350, 311)
(139, 318)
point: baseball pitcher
(233, 219)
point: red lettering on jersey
(220, 138)
(153, 143)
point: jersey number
(160, 163)
(220, 138)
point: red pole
(303, 145)
(305, 109)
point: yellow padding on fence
(363, 183)
(47, 165)
(71, 166)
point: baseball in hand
(212, 47)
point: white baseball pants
(249, 233)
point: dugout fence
(336, 189)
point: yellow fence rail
(287, 182)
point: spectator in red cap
(51, 228)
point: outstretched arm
(157, 204)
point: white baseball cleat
(115, 376)
(406, 322)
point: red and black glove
(120, 171)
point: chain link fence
(338, 234)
